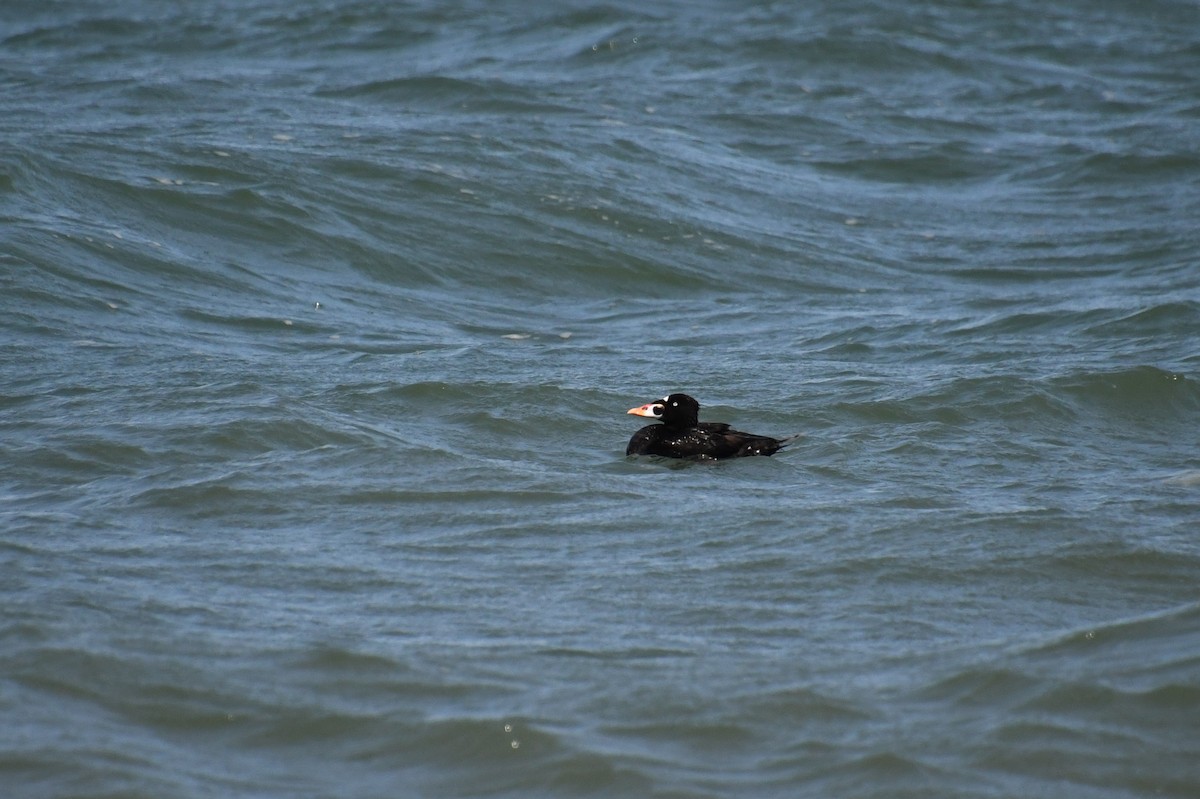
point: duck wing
(717, 440)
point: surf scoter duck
(683, 435)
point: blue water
(321, 320)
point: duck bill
(645, 410)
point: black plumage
(681, 434)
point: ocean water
(320, 322)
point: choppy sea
(320, 321)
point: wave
(1143, 394)
(1083, 706)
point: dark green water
(320, 321)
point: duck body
(682, 435)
